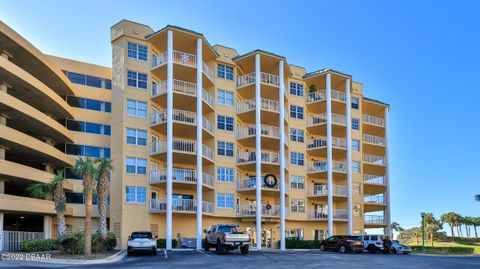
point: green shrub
(101, 245)
(444, 250)
(162, 243)
(36, 245)
(73, 243)
(301, 244)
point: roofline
(376, 101)
(169, 26)
(258, 51)
(324, 71)
(78, 61)
(126, 20)
(298, 66)
(227, 47)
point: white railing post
(169, 139)
(258, 148)
(349, 157)
(199, 144)
(329, 155)
(281, 132)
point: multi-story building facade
(179, 118)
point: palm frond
(40, 190)
(477, 197)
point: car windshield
(227, 229)
(354, 238)
(142, 236)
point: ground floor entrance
(267, 236)
(17, 227)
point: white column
(282, 154)
(349, 156)
(388, 214)
(47, 227)
(1, 231)
(329, 156)
(169, 138)
(258, 153)
(199, 143)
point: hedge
(444, 250)
(73, 243)
(36, 245)
(162, 243)
(301, 244)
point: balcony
(373, 125)
(322, 191)
(315, 104)
(319, 168)
(372, 220)
(374, 144)
(179, 57)
(374, 202)
(373, 164)
(269, 111)
(374, 140)
(184, 150)
(373, 184)
(187, 94)
(186, 120)
(270, 161)
(265, 78)
(316, 124)
(180, 206)
(373, 159)
(249, 184)
(318, 147)
(270, 135)
(322, 214)
(251, 210)
(186, 177)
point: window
(137, 51)
(296, 89)
(294, 234)
(225, 123)
(356, 188)
(319, 235)
(225, 148)
(297, 158)
(297, 135)
(225, 97)
(357, 210)
(297, 206)
(137, 108)
(225, 174)
(136, 79)
(136, 166)
(296, 112)
(355, 103)
(297, 182)
(356, 167)
(89, 80)
(89, 151)
(356, 145)
(90, 104)
(136, 195)
(225, 200)
(355, 124)
(225, 71)
(136, 137)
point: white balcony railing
(158, 88)
(208, 71)
(249, 79)
(251, 210)
(321, 166)
(208, 98)
(250, 131)
(374, 199)
(316, 96)
(245, 80)
(180, 205)
(322, 214)
(208, 207)
(158, 117)
(181, 145)
(266, 157)
(11, 240)
(207, 179)
(249, 105)
(373, 179)
(180, 175)
(374, 159)
(184, 58)
(373, 120)
(185, 87)
(207, 152)
(269, 79)
(179, 115)
(317, 119)
(372, 219)
(250, 184)
(159, 59)
(322, 190)
(339, 96)
(208, 125)
(339, 119)
(372, 139)
(321, 142)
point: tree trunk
(475, 229)
(60, 200)
(61, 226)
(431, 238)
(102, 204)
(468, 231)
(453, 235)
(88, 215)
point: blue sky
(422, 57)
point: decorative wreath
(270, 183)
(268, 206)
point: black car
(342, 243)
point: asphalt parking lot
(275, 259)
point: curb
(114, 258)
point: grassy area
(446, 248)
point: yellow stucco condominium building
(198, 135)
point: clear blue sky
(422, 57)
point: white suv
(372, 242)
(142, 242)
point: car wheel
(219, 248)
(322, 248)
(394, 251)
(372, 249)
(207, 245)
(342, 249)
(244, 250)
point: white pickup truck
(226, 237)
(142, 242)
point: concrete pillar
(329, 155)
(2, 186)
(47, 227)
(258, 152)
(3, 119)
(388, 215)
(199, 143)
(1, 231)
(282, 153)
(349, 157)
(169, 139)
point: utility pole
(423, 233)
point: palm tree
(432, 225)
(396, 227)
(475, 223)
(477, 197)
(451, 219)
(85, 168)
(103, 170)
(55, 188)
